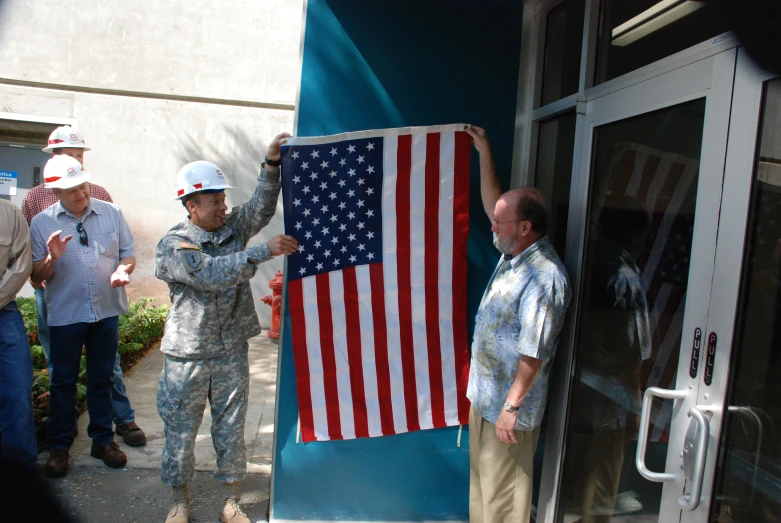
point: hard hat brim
(218, 188)
(67, 183)
(51, 148)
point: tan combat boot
(180, 510)
(231, 512)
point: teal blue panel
(373, 65)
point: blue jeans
(122, 410)
(16, 377)
(100, 339)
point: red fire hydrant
(275, 300)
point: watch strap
(510, 408)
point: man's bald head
(529, 205)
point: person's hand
(479, 138)
(272, 153)
(57, 245)
(282, 244)
(505, 427)
(121, 276)
(41, 285)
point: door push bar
(694, 451)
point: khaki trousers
(500, 479)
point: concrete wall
(154, 85)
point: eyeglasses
(498, 223)
(83, 238)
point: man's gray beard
(505, 249)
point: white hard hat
(64, 172)
(65, 137)
(200, 176)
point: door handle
(695, 450)
(642, 436)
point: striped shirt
(80, 288)
(39, 198)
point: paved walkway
(96, 493)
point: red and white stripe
(382, 348)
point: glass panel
(555, 148)
(748, 478)
(644, 179)
(563, 40)
(639, 32)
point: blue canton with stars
(332, 196)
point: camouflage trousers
(185, 385)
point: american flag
(377, 290)
(667, 184)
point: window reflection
(563, 40)
(635, 33)
(555, 149)
(629, 326)
(748, 482)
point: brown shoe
(57, 464)
(132, 434)
(109, 453)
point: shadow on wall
(239, 156)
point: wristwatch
(509, 408)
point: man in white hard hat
(84, 297)
(70, 142)
(207, 265)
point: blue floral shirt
(521, 313)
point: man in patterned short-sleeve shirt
(516, 332)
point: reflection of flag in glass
(667, 185)
(377, 291)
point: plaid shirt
(39, 198)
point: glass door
(645, 218)
(741, 377)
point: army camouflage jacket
(208, 277)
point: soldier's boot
(180, 509)
(231, 512)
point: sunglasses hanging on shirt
(83, 238)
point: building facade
(152, 86)
(653, 134)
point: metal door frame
(728, 269)
(711, 77)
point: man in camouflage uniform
(207, 265)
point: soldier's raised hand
(282, 244)
(272, 153)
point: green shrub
(39, 358)
(140, 328)
(27, 308)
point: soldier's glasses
(83, 238)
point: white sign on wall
(8, 182)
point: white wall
(80, 59)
